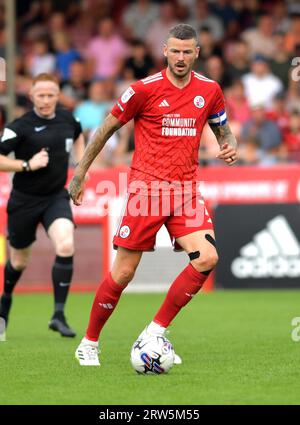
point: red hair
(45, 77)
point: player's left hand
(228, 154)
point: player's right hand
(76, 189)
(39, 160)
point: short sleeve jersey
(168, 124)
(27, 135)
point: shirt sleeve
(217, 115)
(130, 104)
(10, 138)
(78, 128)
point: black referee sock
(11, 277)
(61, 276)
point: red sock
(182, 290)
(106, 299)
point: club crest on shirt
(127, 94)
(199, 101)
(69, 144)
(124, 232)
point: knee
(65, 247)
(124, 274)
(206, 262)
(19, 264)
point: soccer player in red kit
(169, 110)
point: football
(153, 355)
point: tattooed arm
(103, 133)
(227, 142)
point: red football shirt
(168, 125)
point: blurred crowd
(98, 48)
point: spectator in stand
(125, 149)
(138, 17)
(215, 70)
(260, 38)
(140, 63)
(92, 112)
(224, 27)
(123, 83)
(238, 60)
(98, 8)
(2, 41)
(35, 17)
(106, 52)
(204, 18)
(282, 21)
(279, 113)
(261, 86)
(238, 108)
(75, 89)
(65, 54)
(81, 31)
(229, 16)
(280, 63)
(57, 23)
(159, 31)
(208, 48)
(293, 98)
(293, 7)
(292, 38)
(265, 133)
(40, 60)
(248, 12)
(224, 11)
(292, 138)
(23, 84)
(107, 157)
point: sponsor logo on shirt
(37, 129)
(163, 103)
(127, 95)
(176, 126)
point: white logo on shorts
(199, 101)
(124, 232)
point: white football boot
(87, 353)
(155, 329)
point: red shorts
(143, 216)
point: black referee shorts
(25, 212)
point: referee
(41, 140)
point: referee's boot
(58, 323)
(5, 305)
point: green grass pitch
(236, 348)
